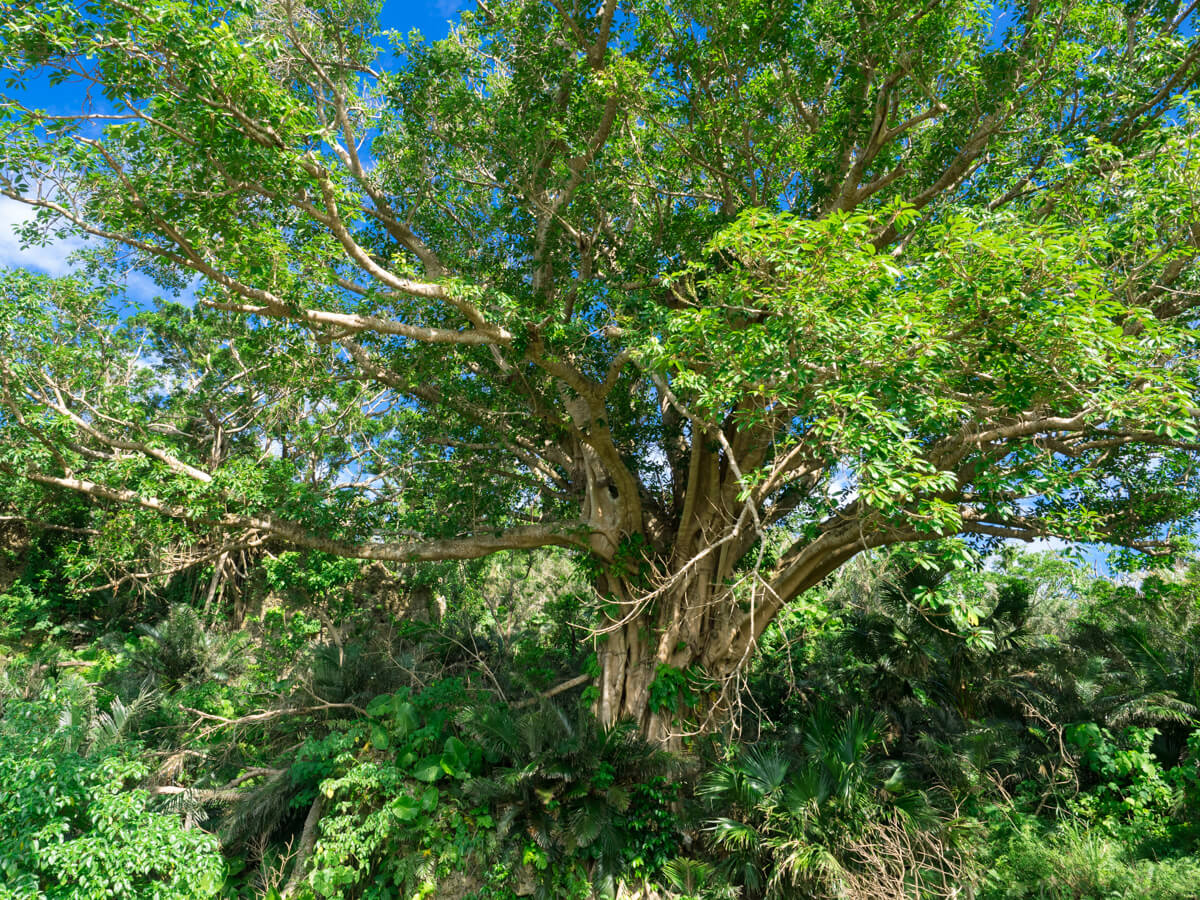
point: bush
(391, 788)
(568, 792)
(818, 820)
(23, 614)
(181, 650)
(1075, 862)
(71, 824)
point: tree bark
(627, 670)
(680, 632)
(697, 631)
(308, 840)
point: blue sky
(431, 17)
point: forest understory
(296, 726)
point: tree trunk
(308, 840)
(679, 635)
(693, 636)
(627, 669)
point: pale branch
(264, 302)
(560, 688)
(1133, 117)
(527, 537)
(349, 323)
(523, 447)
(383, 210)
(227, 793)
(270, 714)
(172, 462)
(1021, 529)
(308, 841)
(166, 562)
(39, 524)
(332, 220)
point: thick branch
(527, 537)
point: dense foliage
(74, 818)
(584, 456)
(1023, 728)
(717, 295)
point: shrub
(73, 826)
(816, 820)
(566, 790)
(181, 650)
(1077, 862)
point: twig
(266, 715)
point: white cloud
(51, 259)
(54, 259)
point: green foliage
(282, 637)
(671, 689)
(787, 819)
(396, 819)
(24, 614)
(948, 655)
(696, 879)
(182, 650)
(1075, 862)
(313, 579)
(1133, 797)
(568, 791)
(652, 828)
(970, 673)
(980, 700)
(1150, 637)
(73, 821)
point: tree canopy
(718, 295)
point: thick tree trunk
(627, 669)
(696, 632)
(677, 631)
(674, 645)
(630, 665)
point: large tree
(718, 294)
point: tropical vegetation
(587, 455)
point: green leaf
(380, 739)
(428, 769)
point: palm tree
(180, 649)
(950, 660)
(1138, 658)
(785, 817)
(563, 782)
